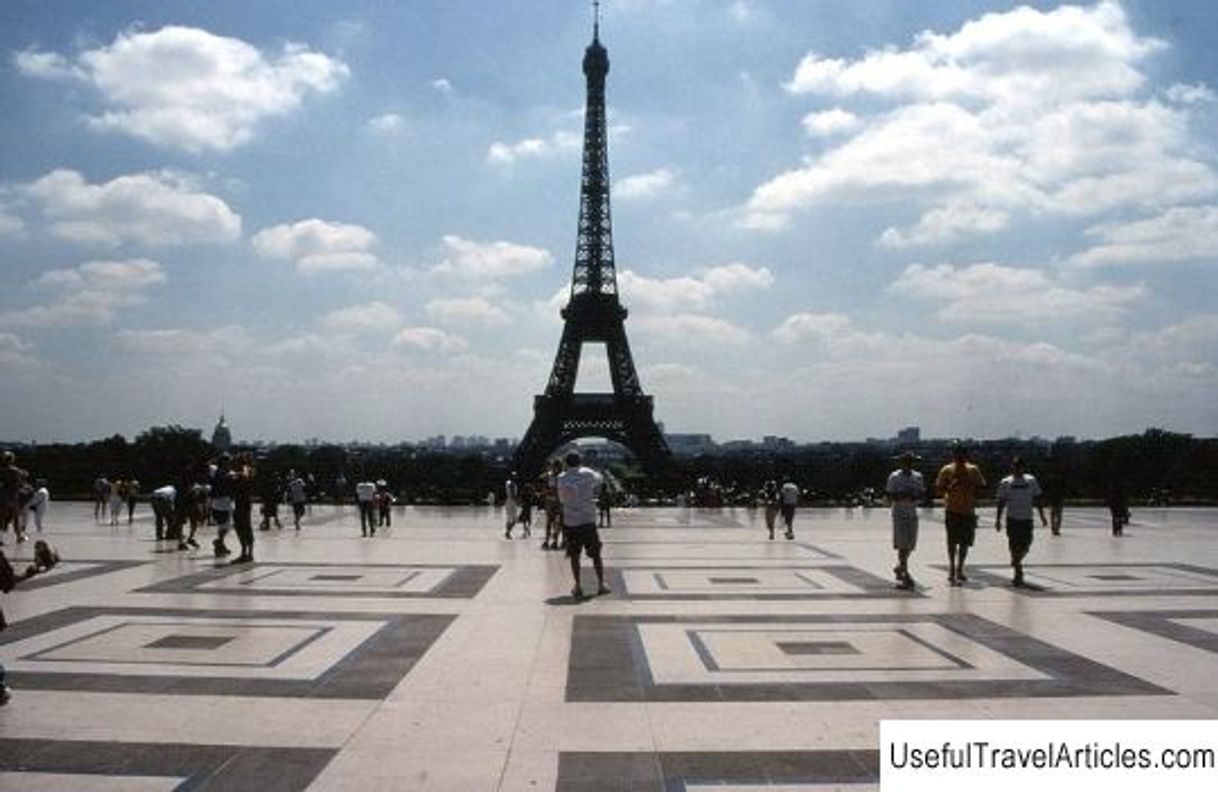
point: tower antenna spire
(596, 20)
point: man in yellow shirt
(958, 483)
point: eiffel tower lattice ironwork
(593, 315)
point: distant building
(221, 437)
(910, 435)
(690, 444)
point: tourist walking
(365, 497)
(577, 488)
(271, 493)
(604, 504)
(1017, 494)
(163, 501)
(221, 502)
(788, 500)
(770, 497)
(243, 507)
(526, 510)
(101, 495)
(905, 489)
(958, 483)
(132, 495)
(39, 502)
(297, 496)
(511, 505)
(384, 504)
(11, 479)
(1118, 505)
(1054, 487)
(118, 492)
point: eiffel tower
(593, 315)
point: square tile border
(1162, 623)
(608, 663)
(873, 587)
(984, 573)
(671, 771)
(466, 581)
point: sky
(356, 221)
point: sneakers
(220, 549)
(193, 544)
(577, 592)
(790, 534)
(602, 590)
(5, 694)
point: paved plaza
(439, 655)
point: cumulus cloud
(830, 122)
(442, 85)
(157, 208)
(10, 225)
(466, 310)
(387, 123)
(993, 293)
(645, 185)
(1185, 233)
(318, 246)
(685, 293)
(1190, 94)
(429, 339)
(490, 260)
(375, 316)
(701, 330)
(1025, 111)
(501, 153)
(14, 350)
(186, 88)
(91, 294)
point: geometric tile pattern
(824, 658)
(1197, 628)
(71, 571)
(230, 653)
(760, 771)
(145, 767)
(1107, 580)
(752, 583)
(333, 580)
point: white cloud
(1185, 233)
(430, 339)
(690, 292)
(705, 332)
(14, 350)
(820, 328)
(465, 311)
(1190, 94)
(955, 219)
(387, 123)
(830, 122)
(318, 246)
(10, 225)
(371, 317)
(533, 148)
(156, 208)
(1032, 112)
(994, 293)
(442, 85)
(490, 260)
(186, 88)
(91, 294)
(645, 185)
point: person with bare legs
(905, 489)
(958, 483)
(578, 487)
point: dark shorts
(219, 517)
(961, 528)
(582, 537)
(1019, 534)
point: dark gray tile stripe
(1160, 623)
(671, 771)
(370, 671)
(608, 663)
(465, 582)
(983, 573)
(205, 767)
(44, 581)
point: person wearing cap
(958, 483)
(1017, 494)
(905, 489)
(578, 487)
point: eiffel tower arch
(593, 314)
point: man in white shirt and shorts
(1017, 494)
(905, 489)
(578, 488)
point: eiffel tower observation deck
(593, 314)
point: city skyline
(358, 221)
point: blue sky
(357, 220)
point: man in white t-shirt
(1017, 494)
(297, 496)
(578, 487)
(511, 505)
(788, 500)
(905, 489)
(365, 496)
